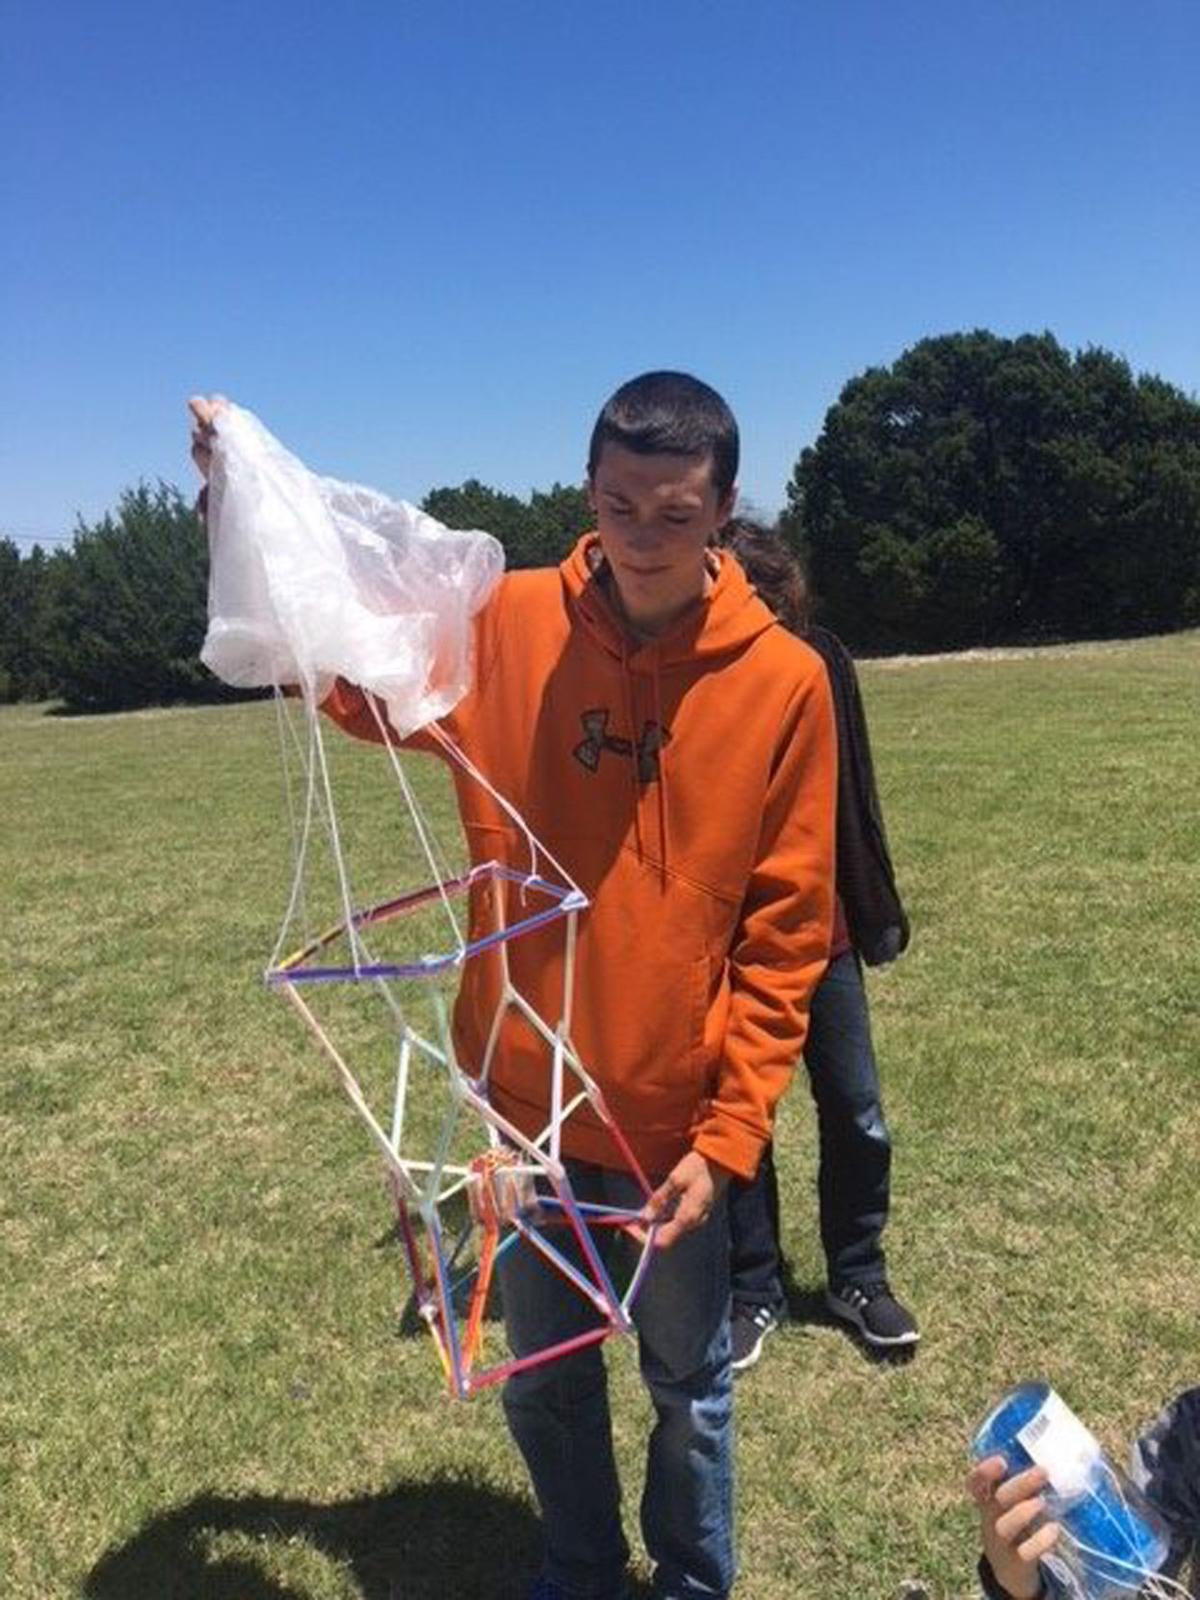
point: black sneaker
(873, 1309)
(748, 1327)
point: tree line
(117, 620)
(979, 490)
(985, 489)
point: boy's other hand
(204, 411)
(1007, 1509)
(685, 1198)
(497, 1193)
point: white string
(418, 821)
(322, 803)
(536, 847)
(286, 773)
(432, 1184)
(335, 844)
(299, 837)
(1141, 1577)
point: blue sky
(425, 242)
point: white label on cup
(1059, 1442)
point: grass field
(204, 1390)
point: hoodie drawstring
(635, 757)
(634, 776)
(664, 848)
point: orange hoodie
(688, 785)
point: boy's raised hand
(205, 411)
(1007, 1509)
(684, 1199)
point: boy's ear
(726, 504)
(590, 487)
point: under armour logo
(598, 740)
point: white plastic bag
(311, 579)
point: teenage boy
(675, 749)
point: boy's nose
(643, 536)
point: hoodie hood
(730, 616)
(728, 619)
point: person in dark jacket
(870, 926)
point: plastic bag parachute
(312, 580)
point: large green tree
(985, 488)
(128, 609)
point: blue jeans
(558, 1413)
(853, 1182)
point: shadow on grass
(416, 1542)
(806, 1307)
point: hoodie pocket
(676, 1055)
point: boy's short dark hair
(672, 414)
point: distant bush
(537, 532)
(127, 612)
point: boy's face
(656, 516)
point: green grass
(203, 1390)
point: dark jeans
(855, 1154)
(558, 1412)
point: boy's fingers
(662, 1202)
(688, 1213)
(1014, 1521)
(203, 411)
(1039, 1544)
(983, 1478)
(1021, 1486)
(666, 1208)
(668, 1232)
(682, 1201)
(206, 408)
